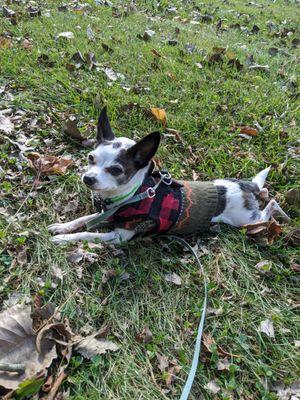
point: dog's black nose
(89, 180)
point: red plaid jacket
(151, 215)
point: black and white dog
(117, 169)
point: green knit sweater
(199, 205)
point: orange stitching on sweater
(187, 211)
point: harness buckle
(151, 192)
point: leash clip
(151, 192)
(166, 177)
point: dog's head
(116, 161)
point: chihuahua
(140, 201)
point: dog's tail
(260, 178)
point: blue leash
(100, 220)
(190, 379)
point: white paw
(60, 239)
(58, 228)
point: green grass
(204, 105)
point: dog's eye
(91, 159)
(115, 170)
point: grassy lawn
(204, 101)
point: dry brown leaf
(209, 341)
(5, 42)
(295, 267)
(27, 44)
(107, 274)
(18, 346)
(47, 165)
(145, 336)
(247, 130)
(163, 362)
(293, 197)
(160, 115)
(58, 333)
(70, 128)
(292, 238)
(171, 373)
(156, 53)
(94, 344)
(264, 232)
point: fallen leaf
(264, 232)
(163, 362)
(112, 75)
(90, 33)
(107, 274)
(29, 387)
(92, 345)
(18, 346)
(66, 35)
(173, 278)
(264, 266)
(45, 60)
(209, 343)
(295, 267)
(212, 387)
(147, 35)
(27, 44)
(292, 238)
(273, 51)
(33, 11)
(297, 343)
(78, 60)
(6, 125)
(267, 327)
(107, 48)
(293, 197)
(21, 255)
(145, 336)
(57, 272)
(160, 115)
(47, 165)
(70, 128)
(223, 364)
(236, 64)
(5, 42)
(247, 130)
(170, 374)
(175, 133)
(156, 53)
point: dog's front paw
(58, 228)
(60, 239)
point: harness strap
(191, 376)
(149, 193)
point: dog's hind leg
(271, 208)
(72, 225)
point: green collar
(121, 197)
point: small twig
(7, 367)
(56, 385)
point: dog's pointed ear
(104, 131)
(144, 150)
